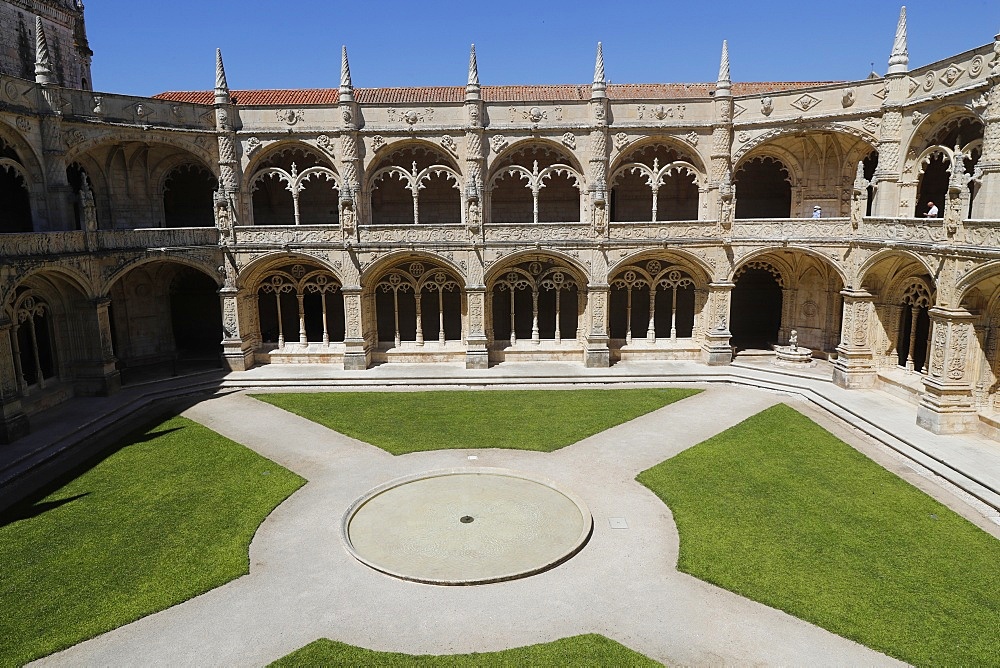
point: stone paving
(303, 583)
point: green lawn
(587, 650)
(165, 518)
(781, 511)
(542, 420)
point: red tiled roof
(431, 94)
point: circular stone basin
(466, 526)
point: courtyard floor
(303, 583)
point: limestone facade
(478, 224)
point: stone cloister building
(481, 224)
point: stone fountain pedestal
(793, 355)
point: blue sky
(143, 48)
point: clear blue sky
(143, 48)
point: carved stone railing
(61, 243)
(791, 229)
(663, 231)
(538, 232)
(414, 234)
(48, 243)
(291, 234)
(913, 230)
(157, 237)
(982, 233)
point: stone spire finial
(221, 85)
(472, 87)
(43, 62)
(899, 61)
(346, 87)
(600, 85)
(723, 86)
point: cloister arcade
(789, 174)
(485, 224)
(416, 184)
(294, 185)
(534, 301)
(946, 136)
(536, 182)
(656, 182)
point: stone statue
(793, 339)
(88, 205)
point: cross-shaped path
(303, 584)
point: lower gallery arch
(418, 313)
(300, 314)
(32, 341)
(165, 319)
(54, 341)
(652, 311)
(902, 293)
(534, 310)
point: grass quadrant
(583, 650)
(781, 511)
(541, 420)
(163, 519)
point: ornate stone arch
(750, 146)
(888, 253)
(919, 287)
(989, 270)
(397, 145)
(500, 266)
(544, 143)
(374, 270)
(781, 271)
(208, 158)
(250, 274)
(199, 264)
(937, 121)
(69, 275)
(285, 145)
(693, 157)
(779, 154)
(29, 159)
(694, 265)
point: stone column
(947, 405)
(13, 421)
(717, 350)
(987, 201)
(237, 346)
(98, 375)
(476, 352)
(356, 353)
(855, 364)
(597, 354)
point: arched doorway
(756, 306)
(196, 318)
(763, 189)
(166, 319)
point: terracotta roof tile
(438, 94)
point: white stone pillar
(947, 405)
(855, 364)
